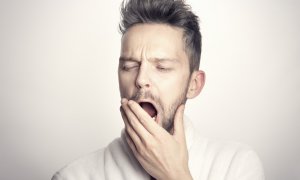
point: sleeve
(246, 165)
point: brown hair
(172, 12)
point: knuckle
(149, 145)
(132, 123)
(128, 129)
(142, 120)
(140, 151)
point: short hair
(172, 12)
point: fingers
(147, 122)
(129, 130)
(134, 149)
(137, 142)
(130, 143)
(134, 123)
(154, 154)
(178, 124)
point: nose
(142, 80)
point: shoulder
(231, 160)
(83, 168)
(232, 152)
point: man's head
(171, 12)
(160, 56)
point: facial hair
(169, 111)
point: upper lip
(149, 101)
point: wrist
(187, 176)
(180, 176)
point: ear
(196, 84)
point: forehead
(153, 41)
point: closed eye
(127, 66)
(163, 69)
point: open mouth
(149, 108)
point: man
(158, 71)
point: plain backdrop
(59, 95)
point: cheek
(126, 85)
(170, 89)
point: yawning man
(158, 72)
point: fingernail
(130, 102)
(123, 100)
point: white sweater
(208, 160)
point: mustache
(143, 95)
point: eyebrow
(128, 59)
(151, 59)
(163, 60)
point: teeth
(154, 117)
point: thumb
(178, 123)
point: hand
(162, 155)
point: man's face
(154, 70)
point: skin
(154, 67)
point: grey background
(59, 94)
